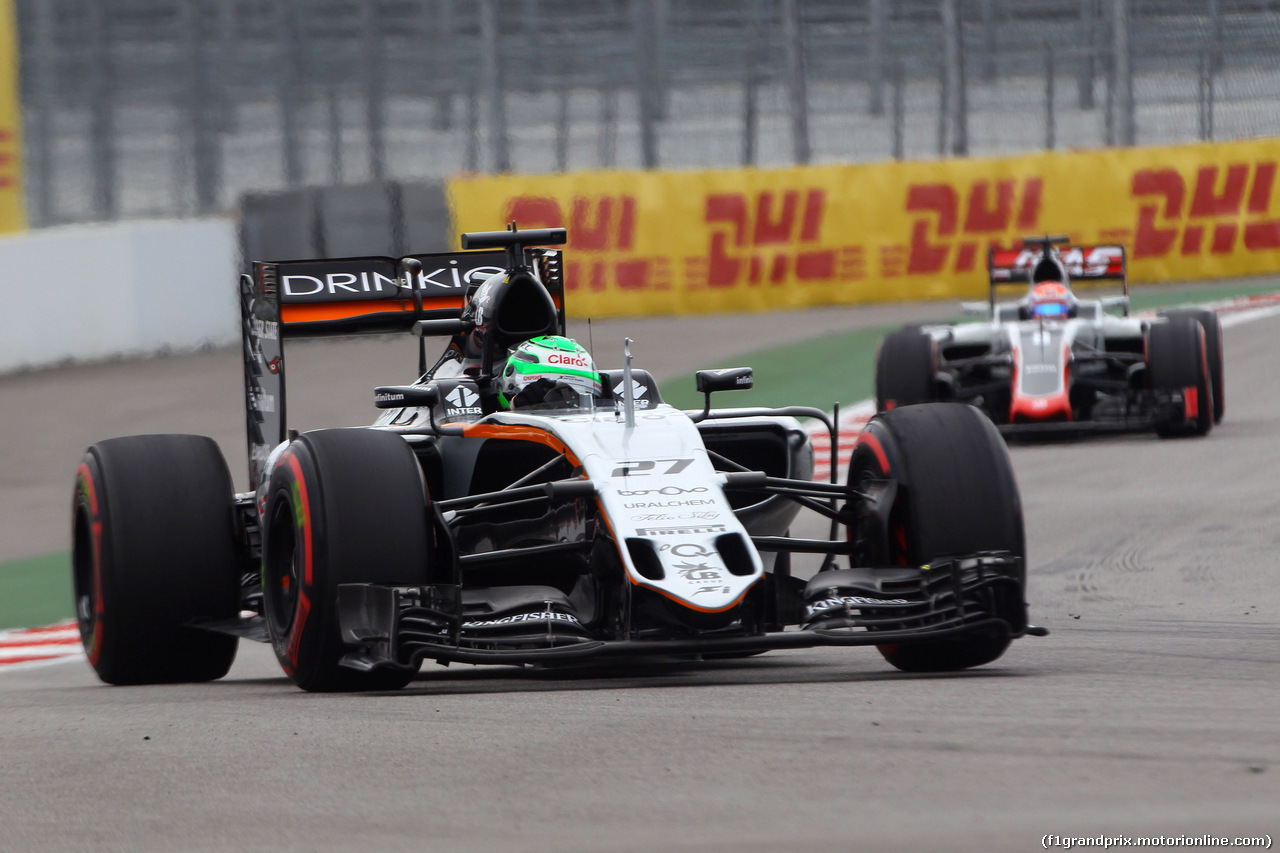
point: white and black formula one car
(514, 505)
(1056, 362)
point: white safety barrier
(91, 292)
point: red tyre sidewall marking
(89, 494)
(1191, 395)
(898, 533)
(302, 521)
(865, 437)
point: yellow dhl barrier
(759, 239)
(12, 217)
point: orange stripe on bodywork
(312, 312)
(518, 432)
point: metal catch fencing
(137, 108)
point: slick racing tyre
(1178, 362)
(153, 548)
(1208, 319)
(905, 366)
(956, 495)
(343, 506)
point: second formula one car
(515, 505)
(1056, 361)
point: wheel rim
(82, 570)
(281, 571)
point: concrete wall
(90, 292)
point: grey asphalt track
(1152, 709)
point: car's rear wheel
(905, 367)
(1178, 363)
(154, 549)
(1208, 319)
(956, 495)
(343, 506)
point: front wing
(402, 626)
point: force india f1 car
(1056, 362)
(586, 528)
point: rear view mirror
(726, 379)
(406, 396)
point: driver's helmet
(1049, 299)
(547, 367)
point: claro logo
(1228, 206)
(567, 360)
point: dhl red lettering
(815, 201)
(778, 270)
(1220, 193)
(981, 217)
(774, 227)
(1029, 212)
(1208, 202)
(1224, 238)
(928, 257)
(627, 223)
(1151, 241)
(535, 212)
(989, 208)
(589, 232)
(811, 266)
(770, 219)
(1264, 176)
(597, 276)
(595, 224)
(631, 275)
(1191, 239)
(722, 270)
(1262, 236)
(731, 209)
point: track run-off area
(1151, 709)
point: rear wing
(1093, 263)
(352, 296)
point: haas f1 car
(589, 521)
(1054, 361)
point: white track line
(28, 648)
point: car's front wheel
(956, 495)
(343, 506)
(1178, 364)
(1212, 325)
